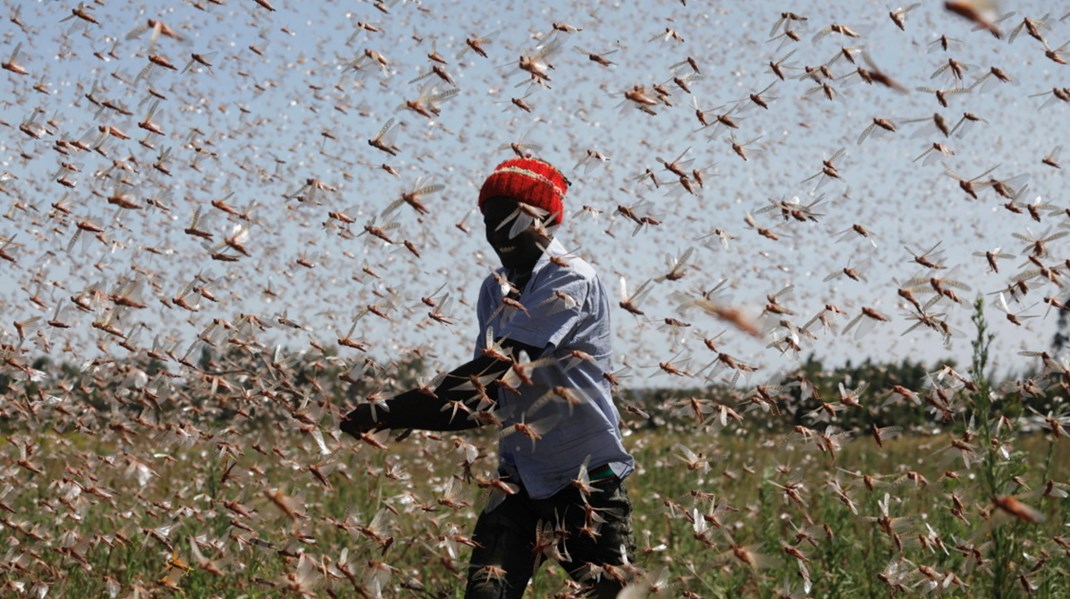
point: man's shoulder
(575, 277)
(571, 268)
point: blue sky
(260, 117)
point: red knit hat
(530, 181)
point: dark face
(520, 252)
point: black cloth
(410, 410)
(442, 411)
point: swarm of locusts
(227, 223)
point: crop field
(254, 524)
(258, 497)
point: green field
(220, 485)
(218, 512)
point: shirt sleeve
(553, 309)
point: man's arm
(453, 405)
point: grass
(88, 521)
(264, 506)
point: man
(541, 355)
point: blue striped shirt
(567, 310)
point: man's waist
(612, 469)
(601, 473)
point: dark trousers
(591, 540)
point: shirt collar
(554, 249)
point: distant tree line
(262, 386)
(904, 394)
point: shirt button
(517, 448)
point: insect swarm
(174, 370)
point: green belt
(601, 473)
